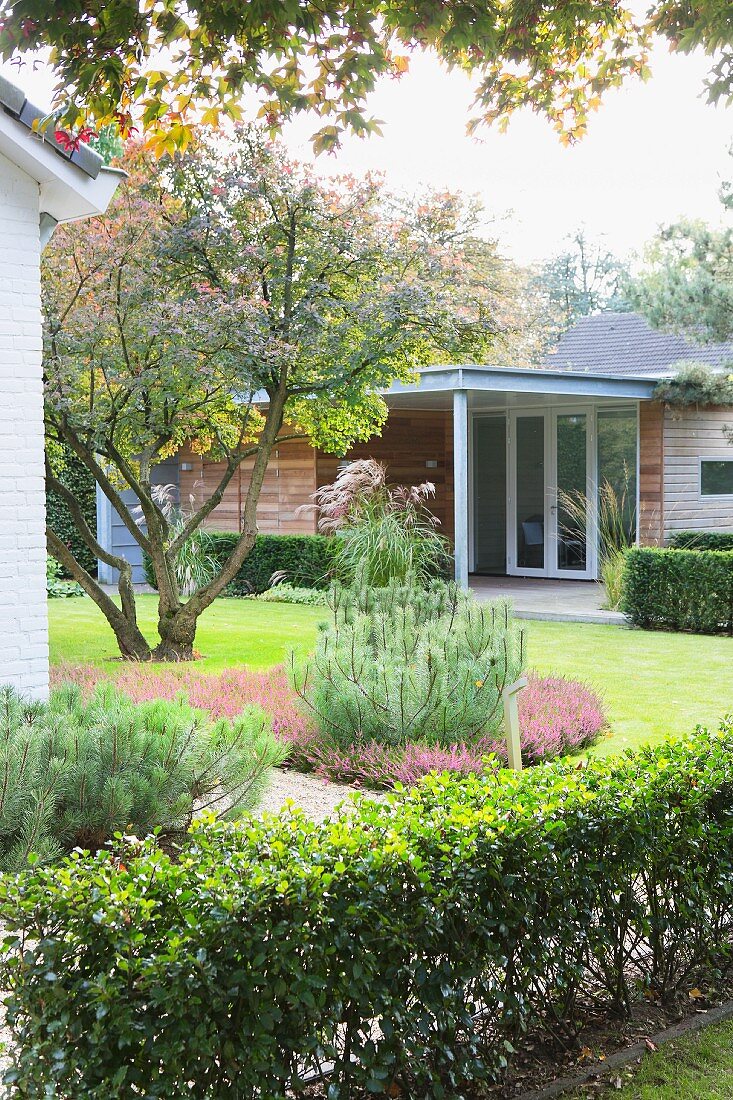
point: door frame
(550, 415)
(513, 415)
(591, 548)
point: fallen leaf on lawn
(586, 1052)
(617, 1082)
(695, 994)
(650, 1045)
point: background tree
(156, 64)
(231, 301)
(584, 278)
(686, 282)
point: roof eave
(66, 191)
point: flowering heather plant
(223, 695)
(558, 716)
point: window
(617, 442)
(716, 477)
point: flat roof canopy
(492, 387)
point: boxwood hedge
(307, 560)
(408, 945)
(679, 589)
(702, 540)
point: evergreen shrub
(401, 664)
(679, 590)
(305, 561)
(75, 476)
(76, 770)
(409, 944)
(702, 540)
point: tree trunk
(177, 635)
(177, 621)
(131, 641)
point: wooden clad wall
(689, 435)
(651, 473)
(289, 482)
(409, 440)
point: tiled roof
(625, 344)
(15, 104)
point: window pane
(571, 491)
(716, 477)
(531, 492)
(617, 464)
(489, 495)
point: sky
(654, 152)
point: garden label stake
(511, 722)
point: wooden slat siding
(289, 482)
(689, 435)
(651, 473)
(409, 440)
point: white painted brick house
(40, 185)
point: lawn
(687, 1069)
(231, 632)
(653, 683)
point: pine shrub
(75, 771)
(401, 664)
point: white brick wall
(23, 615)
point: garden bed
(558, 716)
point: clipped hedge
(679, 590)
(702, 540)
(408, 946)
(307, 560)
(75, 476)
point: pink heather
(557, 717)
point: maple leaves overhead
(165, 64)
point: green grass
(230, 632)
(653, 684)
(696, 1068)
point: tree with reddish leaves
(230, 300)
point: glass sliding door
(489, 494)
(529, 511)
(572, 504)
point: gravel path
(318, 797)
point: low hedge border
(679, 590)
(410, 945)
(702, 540)
(306, 560)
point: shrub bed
(679, 590)
(306, 560)
(702, 540)
(409, 945)
(557, 717)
